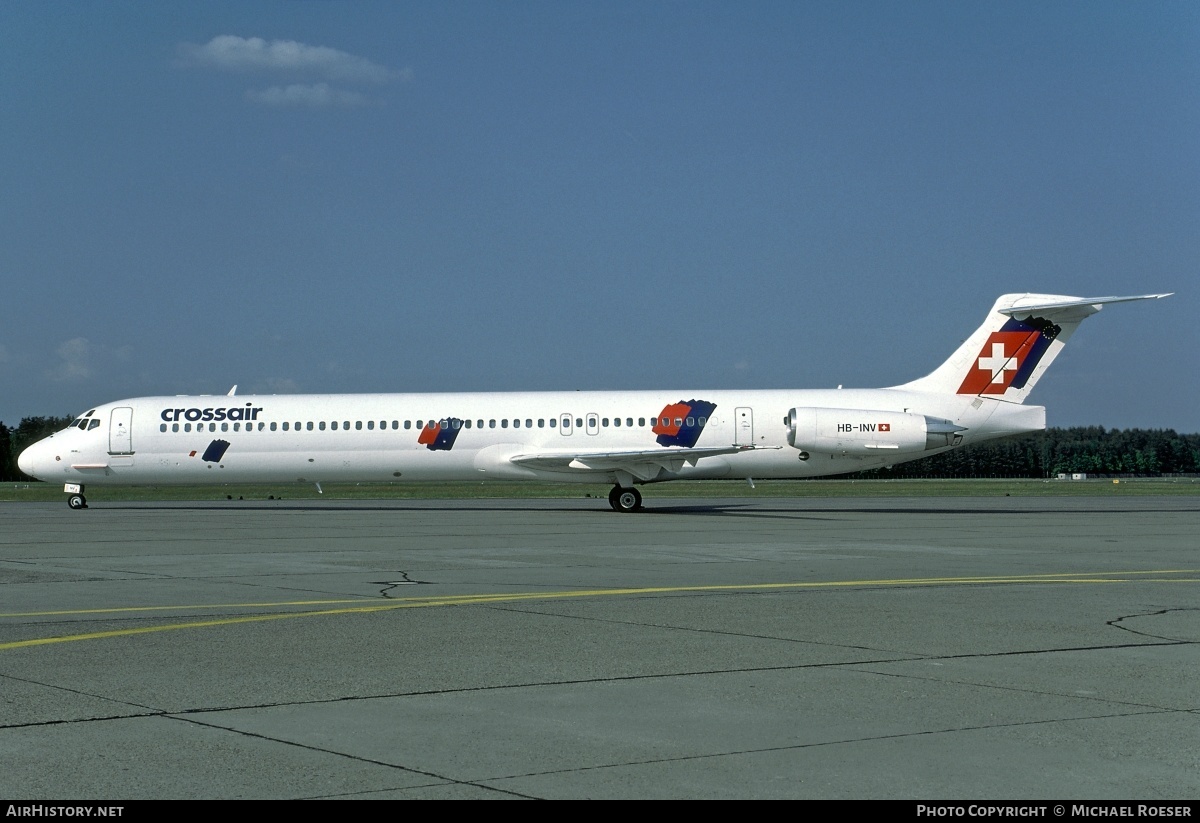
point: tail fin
(1020, 338)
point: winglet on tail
(1020, 338)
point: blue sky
(393, 196)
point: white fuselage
(619, 437)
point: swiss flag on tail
(998, 362)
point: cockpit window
(82, 421)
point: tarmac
(908, 649)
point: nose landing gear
(625, 499)
(76, 499)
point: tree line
(1088, 449)
(1055, 451)
(13, 441)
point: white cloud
(76, 357)
(320, 95)
(279, 385)
(233, 53)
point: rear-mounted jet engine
(865, 432)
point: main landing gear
(625, 500)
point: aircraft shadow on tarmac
(740, 508)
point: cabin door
(120, 431)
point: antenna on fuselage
(232, 391)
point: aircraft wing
(644, 465)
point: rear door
(743, 434)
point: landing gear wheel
(625, 500)
(77, 501)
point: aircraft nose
(30, 460)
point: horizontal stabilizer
(1073, 306)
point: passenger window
(528, 423)
(616, 421)
(641, 421)
(541, 422)
(517, 423)
(408, 424)
(491, 424)
(504, 423)
(236, 427)
(358, 425)
(552, 422)
(174, 427)
(162, 427)
(678, 421)
(629, 422)
(370, 425)
(321, 425)
(187, 427)
(604, 422)
(691, 421)
(479, 424)
(333, 425)
(579, 422)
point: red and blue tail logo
(440, 435)
(1009, 357)
(680, 424)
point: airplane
(627, 438)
